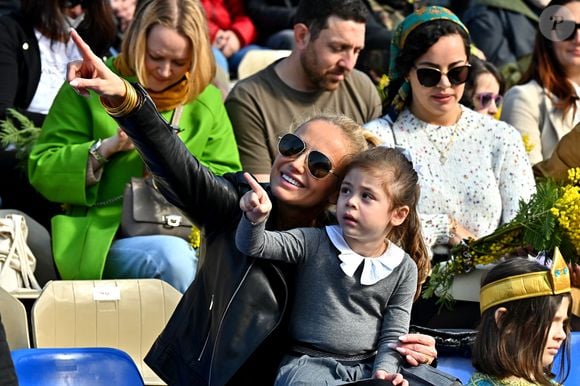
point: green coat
(57, 167)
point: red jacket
(229, 15)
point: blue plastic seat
(455, 365)
(574, 376)
(93, 366)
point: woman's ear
(499, 314)
(399, 215)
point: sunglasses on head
(430, 77)
(319, 165)
(485, 99)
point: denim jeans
(168, 258)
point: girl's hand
(394, 378)
(416, 348)
(91, 73)
(256, 204)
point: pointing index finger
(256, 187)
(83, 47)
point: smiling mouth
(292, 181)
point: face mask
(74, 23)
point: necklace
(444, 151)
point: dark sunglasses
(319, 165)
(430, 77)
(565, 30)
(485, 99)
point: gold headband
(529, 285)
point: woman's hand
(91, 73)
(458, 232)
(116, 143)
(230, 43)
(416, 348)
(394, 378)
(256, 204)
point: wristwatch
(94, 151)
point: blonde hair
(359, 139)
(187, 17)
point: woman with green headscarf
(473, 169)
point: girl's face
(557, 333)
(568, 51)
(167, 59)
(291, 180)
(439, 104)
(365, 211)
(486, 99)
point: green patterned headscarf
(408, 25)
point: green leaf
(19, 131)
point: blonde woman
(84, 160)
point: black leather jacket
(235, 304)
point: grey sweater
(332, 311)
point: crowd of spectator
(479, 94)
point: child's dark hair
(417, 43)
(479, 67)
(315, 15)
(515, 345)
(403, 189)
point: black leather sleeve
(211, 202)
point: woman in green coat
(83, 160)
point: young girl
(525, 315)
(348, 310)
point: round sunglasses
(485, 99)
(430, 77)
(319, 165)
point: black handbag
(450, 342)
(422, 375)
(425, 375)
(146, 212)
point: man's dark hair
(315, 14)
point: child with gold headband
(525, 310)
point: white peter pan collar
(375, 268)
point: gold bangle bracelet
(128, 104)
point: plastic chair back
(126, 314)
(456, 365)
(93, 366)
(257, 60)
(15, 321)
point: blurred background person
(34, 51)
(231, 32)
(484, 88)
(504, 30)
(544, 107)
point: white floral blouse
(475, 171)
